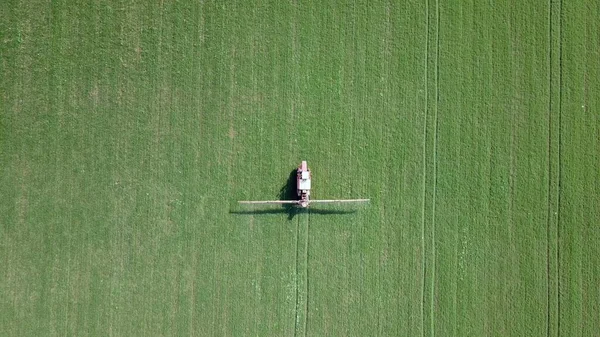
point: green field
(129, 129)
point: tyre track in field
(554, 168)
(306, 274)
(301, 310)
(435, 163)
(559, 173)
(423, 260)
(296, 318)
(430, 140)
(301, 263)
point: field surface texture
(129, 130)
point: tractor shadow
(288, 192)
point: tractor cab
(303, 183)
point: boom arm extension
(270, 202)
(339, 200)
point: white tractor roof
(304, 184)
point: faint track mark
(296, 318)
(301, 310)
(559, 173)
(306, 274)
(435, 163)
(554, 166)
(549, 201)
(383, 254)
(423, 260)
(430, 166)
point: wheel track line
(549, 201)
(424, 158)
(559, 159)
(430, 169)
(301, 276)
(306, 274)
(435, 162)
(554, 170)
(294, 115)
(386, 65)
(426, 167)
(296, 318)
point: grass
(129, 130)
(492, 171)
